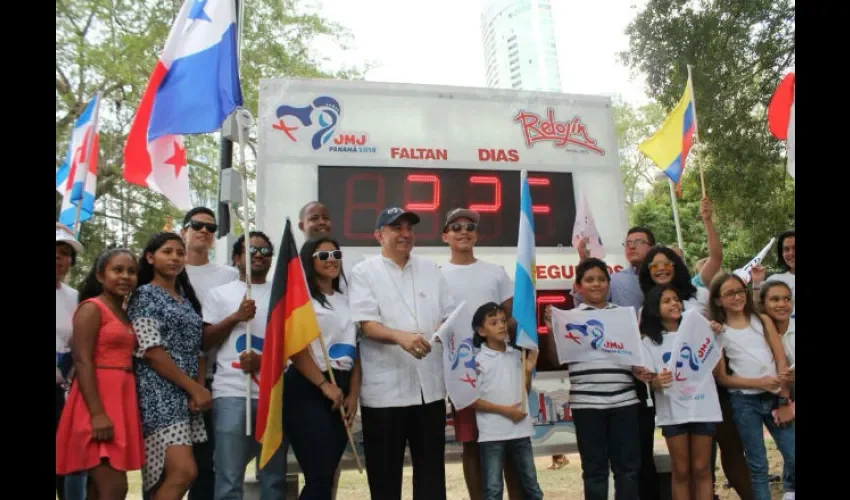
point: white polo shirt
(413, 299)
(501, 383)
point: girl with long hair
(100, 430)
(687, 427)
(170, 371)
(316, 430)
(758, 383)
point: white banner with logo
(598, 335)
(459, 363)
(696, 354)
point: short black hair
(482, 313)
(779, 258)
(641, 229)
(586, 265)
(195, 211)
(307, 205)
(74, 252)
(239, 245)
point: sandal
(559, 463)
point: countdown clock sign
(358, 194)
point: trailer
(359, 147)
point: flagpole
(696, 130)
(333, 379)
(676, 213)
(89, 149)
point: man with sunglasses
(226, 312)
(476, 282)
(399, 300)
(198, 233)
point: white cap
(64, 235)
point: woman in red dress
(100, 428)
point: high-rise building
(519, 45)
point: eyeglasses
(328, 255)
(458, 227)
(734, 293)
(264, 251)
(635, 243)
(657, 266)
(198, 225)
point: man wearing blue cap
(399, 300)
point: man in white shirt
(198, 233)
(226, 312)
(399, 301)
(314, 220)
(476, 282)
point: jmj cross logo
(329, 113)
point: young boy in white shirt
(503, 427)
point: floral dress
(160, 320)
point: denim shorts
(695, 428)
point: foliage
(112, 46)
(632, 126)
(739, 52)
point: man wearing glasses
(399, 300)
(625, 286)
(198, 233)
(476, 282)
(226, 312)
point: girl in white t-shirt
(314, 425)
(758, 385)
(687, 426)
(778, 303)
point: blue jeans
(234, 450)
(493, 464)
(750, 413)
(75, 486)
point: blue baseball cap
(390, 215)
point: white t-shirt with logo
(500, 380)
(338, 331)
(477, 284)
(203, 279)
(66, 304)
(702, 406)
(222, 301)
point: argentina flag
(524, 305)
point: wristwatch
(783, 401)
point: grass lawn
(563, 484)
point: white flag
(745, 273)
(599, 335)
(585, 226)
(696, 354)
(459, 364)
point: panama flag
(76, 179)
(780, 116)
(193, 88)
(524, 307)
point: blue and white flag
(76, 179)
(525, 299)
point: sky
(439, 42)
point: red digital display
(559, 299)
(356, 195)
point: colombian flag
(670, 145)
(291, 327)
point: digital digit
(541, 186)
(350, 229)
(426, 209)
(542, 302)
(491, 229)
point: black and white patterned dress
(160, 320)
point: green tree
(739, 51)
(112, 46)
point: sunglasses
(328, 255)
(198, 225)
(458, 227)
(655, 266)
(264, 251)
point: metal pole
(676, 214)
(226, 152)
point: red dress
(76, 451)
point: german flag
(291, 327)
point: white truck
(359, 147)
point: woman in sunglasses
(316, 431)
